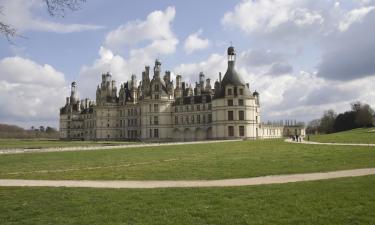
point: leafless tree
(54, 8)
(59, 7)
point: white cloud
(211, 67)
(355, 15)
(30, 92)
(268, 15)
(302, 95)
(19, 14)
(194, 42)
(156, 36)
(157, 26)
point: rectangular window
(156, 108)
(204, 107)
(204, 118)
(192, 119)
(156, 120)
(198, 118)
(150, 108)
(240, 102)
(235, 91)
(150, 120)
(150, 133)
(230, 115)
(241, 91)
(209, 106)
(229, 91)
(230, 102)
(187, 120)
(230, 131)
(241, 115)
(176, 119)
(156, 133)
(241, 130)
(198, 108)
(209, 118)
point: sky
(302, 56)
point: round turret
(231, 51)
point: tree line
(13, 131)
(360, 115)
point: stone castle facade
(157, 109)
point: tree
(363, 117)
(41, 128)
(345, 121)
(327, 121)
(54, 8)
(313, 126)
(50, 130)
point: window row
(241, 115)
(193, 119)
(240, 102)
(192, 108)
(235, 91)
(241, 131)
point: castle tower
(73, 93)
(178, 92)
(157, 69)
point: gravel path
(85, 148)
(322, 143)
(276, 179)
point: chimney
(220, 77)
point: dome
(157, 62)
(255, 93)
(231, 50)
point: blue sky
(303, 56)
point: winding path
(86, 148)
(275, 179)
(322, 143)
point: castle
(158, 110)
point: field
(360, 135)
(336, 201)
(339, 201)
(200, 161)
(51, 143)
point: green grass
(361, 135)
(200, 161)
(338, 201)
(48, 143)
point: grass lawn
(337, 201)
(48, 143)
(360, 135)
(200, 161)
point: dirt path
(276, 179)
(322, 143)
(85, 148)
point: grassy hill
(200, 161)
(360, 135)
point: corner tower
(235, 112)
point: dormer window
(156, 87)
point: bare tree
(6, 29)
(54, 8)
(58, 7)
